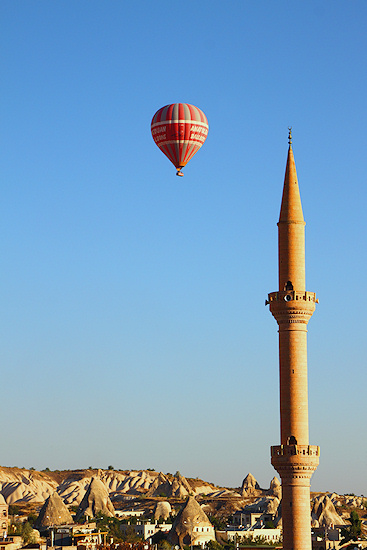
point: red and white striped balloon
(179, 130)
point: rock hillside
(25, 485)
(29, 489)
(21, 485)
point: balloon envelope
(179, 130)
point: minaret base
(295, 465)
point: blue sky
(133, 327)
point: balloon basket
(179, 173)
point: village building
(244, 518)
(129, 513)
(254, 533)
(82, 536)
(326, 538)
(4, 509)
(146, 530)
(11, 543)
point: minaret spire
(291, 229)
(292, 307)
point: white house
(268, 535)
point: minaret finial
(290, 136)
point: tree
(218, 524)
(27, 533)
(158, 537)
(111, 525)
(32, 519)
(14, 510)
(110, 467)
(352, 531)
(213, 545)
(130, 535)
(16, 528)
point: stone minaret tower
(292, 306)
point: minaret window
(288, 286)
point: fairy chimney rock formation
(275, 488)
(158, 486)
(53, 512)
(323, 513)
(250, 486)
(162, 486)
(95, 500)
(162, 510)
(180, 486)
(191, 525)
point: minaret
(292, 306)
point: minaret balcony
(292, 296)
(295, 462)
(293, 450)
(292, 306)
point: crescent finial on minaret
(290, 136)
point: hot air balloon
(179, 130)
